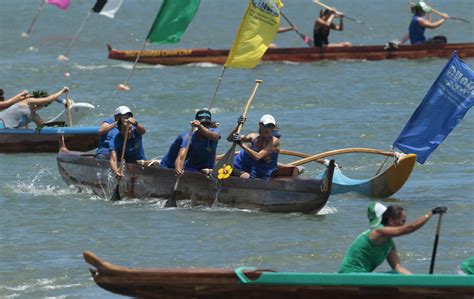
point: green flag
(172, 20)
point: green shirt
(363, 255)
(467, 266)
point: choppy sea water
(45, 225)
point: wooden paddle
(68, 110)
(331, 8)
(435, 246)
(339, 152)
(116, 195)
(171, 202)
(306, 39)
(228, 159)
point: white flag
(107, 8)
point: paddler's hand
(132, 121)
(65, 89)
(118, 175)
(236, 138)
(179, 172)
(241, 120)
(439, 210)
(196, 124)
(444, 16)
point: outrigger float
(206, 283)
(376, 52)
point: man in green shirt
(374, 245)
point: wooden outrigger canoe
(383, 184)
(375, 52)
(47, 139)
(281, 194)
(202, 283)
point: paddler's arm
(394, 261)
(140, 128)
(33, 102)
(339, 27)
(13, 100)
(432, 25)
(396, 231)
(263, 153)
(113, 163)
(327, 22)
(205, 131)
(179, 162)
(105, 127)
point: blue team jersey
(104, 139)
(170, 157)
(202, 152)
(134, 150)
(416, 32)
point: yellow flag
(256, 31)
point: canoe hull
(47, 140)
(276, 195)
(376, 52)
(224, 283)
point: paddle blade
(116, 195)
(62, 58)
(223, 168)
(171, 202)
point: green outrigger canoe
(255, 283)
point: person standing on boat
(324, 24)
(418, 24)
(22, 113)
(108, 130)
(4, 104)
(134, 150)
(374, 245)
(202, 149)
(259, 159)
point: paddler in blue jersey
(134, 150)
(202, 149)
(376, 244)
(108, 130)
(258, 159)
(418, 24)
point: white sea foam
(326, 210)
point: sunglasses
(268, 126)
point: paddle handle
(124, 147)
(249, 101)
(435, 246)
(68, 108)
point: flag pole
(38, 11)
(64, 57)
(217, 87)
(124, 86)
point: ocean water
(45, 225)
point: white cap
(375, 212)
(121, 110)
(267, 119)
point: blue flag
(443, 107)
